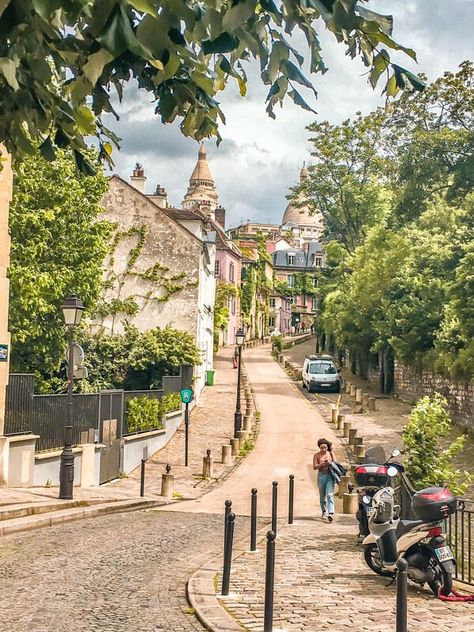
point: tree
(57, 249)
(429, 463)
(346, 181)
(60, 59)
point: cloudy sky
(260, 158)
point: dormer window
(317, 261)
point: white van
(320, 374)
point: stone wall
(169, 258)
(411, 385)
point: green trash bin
(210, 377)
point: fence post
(274, 506)
(291, 499)
(402, 566)
(142, 478)
(269, 582)
(253, 520)
(229, 537)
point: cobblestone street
(120, 573)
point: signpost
(186, 398)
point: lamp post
(72, 309)
(239, 339)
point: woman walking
(321, 461)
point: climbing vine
(161, 286)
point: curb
(29, 523)
(201, 591)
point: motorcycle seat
(406, 525)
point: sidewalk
(211, 426)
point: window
(322, 368)
(231, 272)
(315, 303)
(317, 261)
(271, 321)
(217, 268)
(315, 281)
(290, 279)
(291, 259)
(232, 306)
(273, 302)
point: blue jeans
(326, 492)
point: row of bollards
(229, 522)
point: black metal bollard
(229, 538)
(402, 610)
(274, 506)
(142, 478)
(253, 520)
(291, 498)
(227, 510)
(269, 582)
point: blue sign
(186, 395)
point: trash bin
(210, 377)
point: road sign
(78, 355)
(186, 395)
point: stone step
(20, 510)
(58, 516)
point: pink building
(227, 272)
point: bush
(277, 344)
(145, 413)
(428, 462)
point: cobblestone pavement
(120, 573)
(323, 583)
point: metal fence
(460, 529)
(19, 403)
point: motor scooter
(371, 476)
(421, 542)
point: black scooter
(371, 476)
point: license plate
(444, 553)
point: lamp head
(72, 309)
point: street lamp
(72, 309)
(239, 339)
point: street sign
(186, 395)
(78, 355)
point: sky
(260, 158)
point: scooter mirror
(366, 499)
(392, 471)
(395, 452)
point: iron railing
(460, 528)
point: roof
(303, 259)
(201, 170)
(301, 215)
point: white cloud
(260, 158)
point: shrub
(277, 344)
(143, 414)
(428, 462)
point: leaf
(3, 5)
(47, 150)
(8, 69)
(85, 119)
(238, 15)
(392, 88)
(295, 74)
(145, 6)
(118, 36)
(177, 37)
(385, 22)
(298, 100)
(380, 64)
(225, 66)
(167, 107)
(225, 43)
(83, 164)
(95, 65)
(407, 77)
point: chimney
(160, 196)
(138, 178)
(220, 216)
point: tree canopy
(62, 62)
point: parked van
(320, 374)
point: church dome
(301, 215)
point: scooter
(371, 476)
(421, 542)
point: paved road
(290, 428)
(121, 573)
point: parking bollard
(269, 582)
(227, 510)
(274, 506)
(142, 478)
(402, 610)
(229, 538)
(253, 520)
(291, 498)
(167, 483)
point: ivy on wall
(161, 286)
